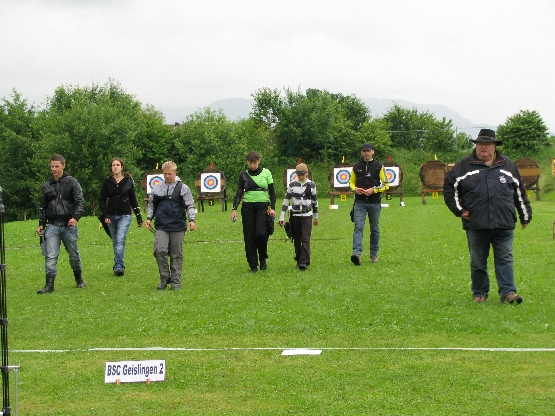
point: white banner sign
(135, 371)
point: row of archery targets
(211, 182)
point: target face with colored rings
(210, 182)
(293, 176)
(343, 176)
(392, 175)
(155, 180)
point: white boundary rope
(289, 348)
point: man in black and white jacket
(301, 193)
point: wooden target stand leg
(147, 382)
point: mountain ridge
(238, 108)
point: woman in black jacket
(117, 199)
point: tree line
(90, 125)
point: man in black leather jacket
(484, 189)
(61, 206)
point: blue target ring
(343, 176)
(293, 176)
(390, 175)
(155, 181)
(210, 182)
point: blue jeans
(119, 225)
(373, 211)
(501, 240)
(54, 235)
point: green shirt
(263, 179)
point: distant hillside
(237, 108)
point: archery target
(392, 175)
(342, 176)
(291, 176)
(211, 182)
(152, 181)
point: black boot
(49, 285)
(163, 284)
(79, 278)
(263, 265)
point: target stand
(530, 173)
(150, 180)
(432, 176)
(394, 176)
(339, 177)
(290, 175)
(210, 184)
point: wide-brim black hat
(486, 136)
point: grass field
(400, 337)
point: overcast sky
(485, 59)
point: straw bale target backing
(432, 176)
(530, 173)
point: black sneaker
(254, 270)
(302, 266)
(355, 258)
(119, 272)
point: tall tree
(90, 125)
(524, 133)
(411, 130)
(209, 137)
(18, 147)
(316, 125)
(375, 131)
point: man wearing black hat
(368, 182)
(484, 188)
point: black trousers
(301, 228)
(253, 216)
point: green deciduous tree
(462, 141)
(209, 137)
(18, 145)
(524, 133)
(315, 125)
(376, 132)
(412, 130)
(90, 125)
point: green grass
(392, 333)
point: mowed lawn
(399, 337)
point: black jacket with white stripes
(489, 193)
